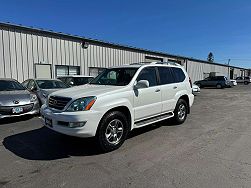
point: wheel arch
(123, 109)
(186, 98)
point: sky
(190, 28)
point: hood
(7, 97)
(87, 90)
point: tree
(210, 57)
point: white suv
(118, 100)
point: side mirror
(141, 84)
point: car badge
(55, 102)
(16, 102)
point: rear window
(179, 74)
(166, 76)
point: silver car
(15, 100)
(43, 87)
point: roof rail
(157, 62)
(139, 63)
(166, 63)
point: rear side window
(166, 76)
(179, 74)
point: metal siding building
(27, 52)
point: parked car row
(219, 82)
(22, 99)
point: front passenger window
(148, 74)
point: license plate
(48, 122)
(17, 110)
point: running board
(152, 120)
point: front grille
(58, 102)
(7, 110)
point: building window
(62, 70)
(95, 71)
(176, 61)
(153, 59)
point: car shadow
(44, 144)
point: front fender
(107, 103)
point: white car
(196, 89)
(233, 82)
(118, 100)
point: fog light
(77, 124)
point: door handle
(175, 87)
(157, 90)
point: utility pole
(228, 63)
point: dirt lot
(212, 149)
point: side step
(152, 120)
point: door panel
(168, 97)
(169, 88)
(147, 101)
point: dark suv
(216, 81)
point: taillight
(190, 81)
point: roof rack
(166, 63)
(157, 62)
(139, 63)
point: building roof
(105, 43)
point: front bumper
(91, 119)
(33, 111)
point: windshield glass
(115, 76)
(50, 84)
(10, 85)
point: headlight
(82, 104)
(33, 97)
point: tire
(179, 114)
(219, 86)
(112, 131)
(246, 83)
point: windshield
(10, 85)
(50, 84)
(115, 76)
(76, 81)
